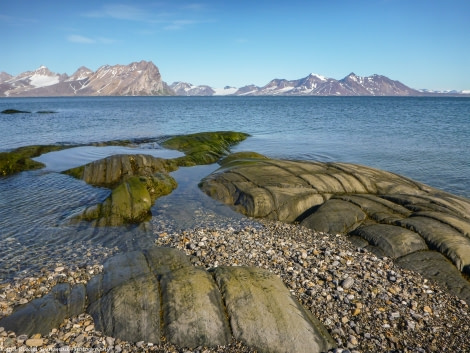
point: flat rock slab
(157, 295)
(394, 215)
(264, 315)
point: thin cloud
(179, 24)
(120, 12)
(76, 38)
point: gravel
(366, 303)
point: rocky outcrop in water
(423, 228)
(157, 295)
(137, 181)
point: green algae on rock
(204, 147)
(130, 201)
(20, 159)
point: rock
(111, 171)
(124, 299)
(335, 216)
(131, 201)
(158, 296)
(14, 111)
(43, 314)
(437, 267)
(385, 213)
(34, 342)
(256, 303)
(193, 309)
(347, 283)
(392, 240)
(203, 147)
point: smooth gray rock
(395, 215)
(125, 300)
(193, 311)
(157, 295)
(435, 266)
(335, 216)
(43, 314)
(264, 315)
(393, 241)
(111, 171)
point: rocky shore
(336, 246)
(367, 304)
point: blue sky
(422, 43)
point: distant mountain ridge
(136, 79)
(143, 79)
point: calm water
(426, 139)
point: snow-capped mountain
(317, 85)
(187, 89)
(136, 79)
(143, 79)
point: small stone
(34, 342)
(89, 328)
(356, 311)
(59, 269)
(347, 283)
(353, 340)
(427, 309)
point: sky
(421, 43)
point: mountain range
(143, 79)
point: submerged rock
(393, 215)
(158, 296)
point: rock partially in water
(131, 201)
(159, 296)
(203, 147)
(394, 215)
(111, 171)
(14, 111)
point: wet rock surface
(394, 215)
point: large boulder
(157, 295)
(389, 214)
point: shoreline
(366, 303)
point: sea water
(423, 138)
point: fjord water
(426, 139)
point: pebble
(370, 313)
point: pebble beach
(368, 304)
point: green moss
(204, 147)
(20, 159)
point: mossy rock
(204, 147)
(130, 201)
(20, 159)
